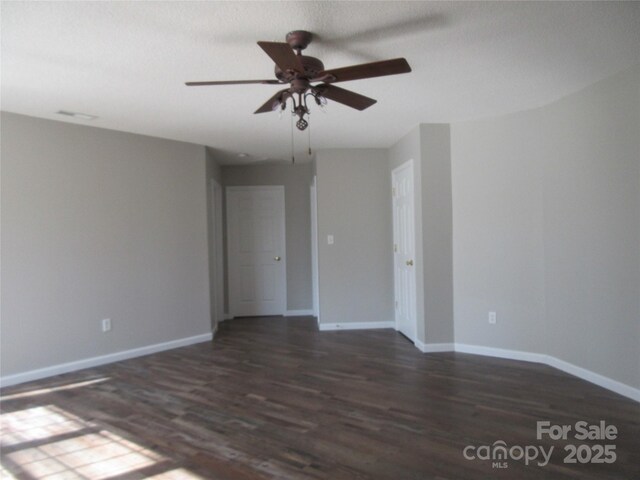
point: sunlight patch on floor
(37, 423)
(47, 441)
(177, 474)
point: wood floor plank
(273, 398)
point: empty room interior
(320, 240)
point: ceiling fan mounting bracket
(299, 39)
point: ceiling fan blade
(366, 70)
(346, 97)
(233, 82)
(271, 104)
(282, 55)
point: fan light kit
(300, 71)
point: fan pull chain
(293, 158)
(309, 138)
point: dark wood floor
(274, 398)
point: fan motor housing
(312, 67)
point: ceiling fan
(301, 71)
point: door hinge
(395, 247)
(396, 303)
(393, 191)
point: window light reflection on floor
(177, 474)
(37, 423)
(49, 442)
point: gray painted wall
(546, 221)
(354, 205)
(437, 234)
(296, 180)
(214, 170)
(98, 224)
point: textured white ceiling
(127, 63)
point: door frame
(283, 232)
(406, 165)
(314, 248)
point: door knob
(277, 259)
(409, 263)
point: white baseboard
(434, 347)
(600, 380)
(298, 313)
(288, 313)
(502, 353)
(595, 378)
(356, 325)
(101, 360)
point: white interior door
(404, 249)
(256, 251)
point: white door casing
(314, 249)
(404, 249)
(256, 251)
